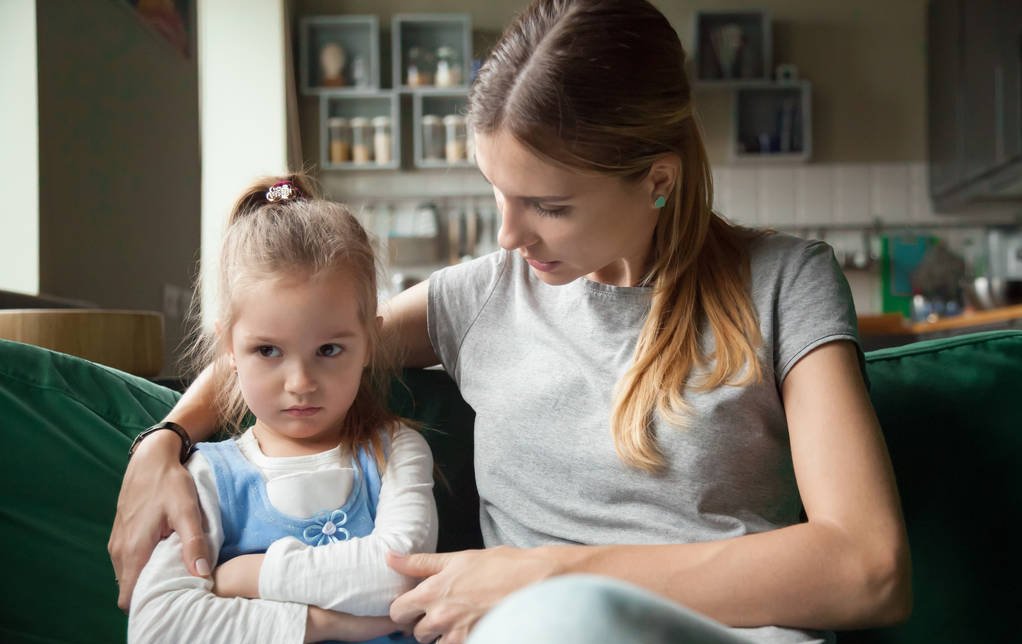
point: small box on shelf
(339, 54)
(431, 50)
(441, 136)
(732, 48)
(359, 131)
(773, 122)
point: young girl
(324, 464)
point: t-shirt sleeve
(457, 294)
(813, 306)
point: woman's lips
(546, 267)
(301, 411)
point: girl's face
(299, 349)
(568, 224)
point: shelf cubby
(773, 122)
(369, 105)
(359, 40)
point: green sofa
(951, 411)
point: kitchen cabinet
(974, 82)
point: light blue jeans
(588, 609)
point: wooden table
(131, 341)
(891, 329)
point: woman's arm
(404, 326)
(352, 576)
(157, 495)
(846, 567)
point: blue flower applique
(327, 529)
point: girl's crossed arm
(351, 576)
(171, 605)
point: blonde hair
(306, 236)
(600, 86)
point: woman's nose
(514, 228)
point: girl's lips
(546, 267)
(301, 411)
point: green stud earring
(660, 202)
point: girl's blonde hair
(304, 236)
(600, 86)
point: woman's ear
(663, 176)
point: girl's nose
(300, 381)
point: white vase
(331, 64)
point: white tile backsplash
(743, 197)
(852, 194)
(889, 191)
(777, 197)
(814, 200)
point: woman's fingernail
(202, 566)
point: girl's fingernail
(202, 566)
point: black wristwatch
(187, 447)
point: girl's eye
(558, 211)
(268, 351)
(330, 350)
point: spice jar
(361, 133)
(432, 138)
(455, 136)
(340, 139)
(448, 68)
(419, 72)
(382, 140)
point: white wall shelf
(732, 47)
(773, 122)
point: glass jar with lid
(454, 124)
(382, 140)
(419, 71)
(340, 139)
(432, 138)
(448, 67)
(361, 140)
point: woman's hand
(323, 624)
(157, 497)
(458, 588)
(238, 577)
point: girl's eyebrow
(346, 333)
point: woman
(659, 394)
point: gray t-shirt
(538, 364)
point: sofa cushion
(951, 410)
(66, 426)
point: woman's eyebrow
(532, 198)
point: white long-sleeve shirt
(171, 605)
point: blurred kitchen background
(890, 129)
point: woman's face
(568, 224)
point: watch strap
(187, 446)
